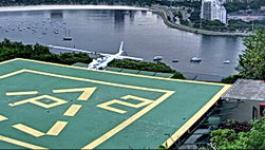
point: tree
(252, 61)
(229, 139)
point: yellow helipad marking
(2, 118)
(19, 143)
(37, 101)
(21, 93)
(86, 92)
(133, 118)
(28, 130)
(57, 128)
(107, 106)
(127, 122)
(72, 110)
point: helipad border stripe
(187, 125)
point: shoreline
(68, 7)
(163, 14)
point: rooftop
(246, 90)
(46, 105)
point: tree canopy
(252, 61)
(10, 50)
(230, 139)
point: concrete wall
(240, 110)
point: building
(52, 106)
(213, 10)
(245, 101)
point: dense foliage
(230, 139)
(10, 50)
(145, 66)
(237, 5)
(252, 61)
(186, 3)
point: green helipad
(44, 105)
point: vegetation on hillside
(146, 66)
(230, 139)
(10, 50)
(252, 61)
(237, 5)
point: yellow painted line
(2, 118)
(127, 122)
(36, 101)
(28, 130)
(12, 74)
(86, 92)
(57, 128)
(19, 143)
(72, 110)
(107, 105)
(183, 129)
(120, 73)
(21, 93)
(96, 81)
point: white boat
(227, 62)
(68, 37)
(175, 60)
(157, 58)
(195, 59)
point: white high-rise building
(213, 10)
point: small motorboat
(56, 32)
(67, 38)
(157, 58)
(195, 59)
(227, 62)
(175, 60)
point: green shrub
(10, 50)
(231, 79)
(146, 66)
